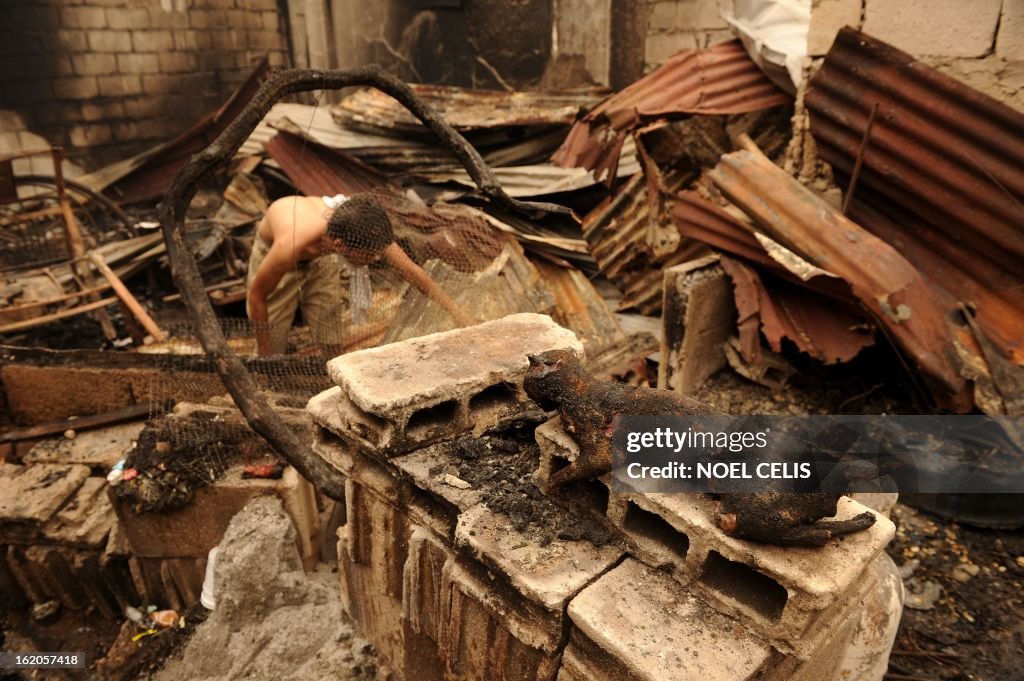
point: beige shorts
(319, 287)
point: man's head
(359, 229)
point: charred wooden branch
(240, 384)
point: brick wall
(980, 42)
(674, 25)
(107, 78)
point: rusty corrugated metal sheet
(150, 177)
(316, 123)
(719, 80)
(316, 170)
(465, 109)
(699, 219)
(828, 330)
(942, 176)
(617, 232)
(908, 307)
(819, 315)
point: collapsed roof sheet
(466, 109)
(719, 80)
(941, 178)
(316, 123)
(906, 305)
(319, 171)
(784, 299)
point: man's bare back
(296, 230)
(296, 225)
(292, 232)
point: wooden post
(130, 301)
(75, 243)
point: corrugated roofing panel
(942, 176)
(318, 171)
(910, 309)
(466, 109)
(719, 80)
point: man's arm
(274, 266)
(414, 274)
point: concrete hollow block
(784, 593)
(637, 623)
(422, 605)
(484, 633)
(402, 396)
(373, 550)
(557, 450)
(544, 576)
(698, 316)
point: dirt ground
(975, 628)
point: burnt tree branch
(237, 379)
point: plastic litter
(164, 619)
(207, 597)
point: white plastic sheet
(775, 34)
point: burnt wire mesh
(32, 230)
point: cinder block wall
(107, 78)
(980, 42)
(674, 25)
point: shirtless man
(286, 272)
(286, 268)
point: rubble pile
(277, 621)
(836, 234)
(447, 582)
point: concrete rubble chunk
(102, 447)
(650, 628)
(272, 620)
(398, 397)
(30, 495)
(86, 520)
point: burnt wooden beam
(81, 423)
